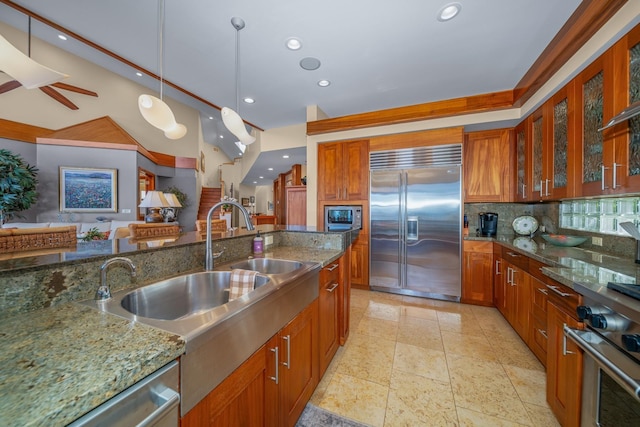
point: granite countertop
(585, 271)
(58, 363)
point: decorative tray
(525, 225)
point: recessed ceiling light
(221, 136)
(261, 177)
(249, 100)
(324, 83)
(210, 117)
(449, 11)
(286, 156)
(270, 169)
(293, 43)
(62, 37)
(310, 63)
(255, 182)
(139, 74)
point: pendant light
(25, 70)
(231, 118)
(155, 110)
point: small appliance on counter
(488, 224)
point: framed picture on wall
(88, 189)
(245, 201)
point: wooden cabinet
(512, 292)
(538, 333)
(344, 304)
(360, 262)
(343, 170)
(297, 352)
(477, 273)
(564, 367)
(328, 313)
(487, 166)
(273, 386)
(522, 160)
(296, 205)
(244, 398)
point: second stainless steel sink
(182, 296)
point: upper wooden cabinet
(487, 166)
(343, 170)
(522, 174)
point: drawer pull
(558, 291)
(514, 255)
(275, 377)
(333, 267)
(543, 291)
(333, 287)
(498, 267)
(543, 333)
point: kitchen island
(61, 361)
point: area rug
(312, 416)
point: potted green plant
(18, 182)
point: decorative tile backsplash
(600, 215)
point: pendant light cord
(161, 44)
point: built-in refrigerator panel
(432, 260)
(384, 229)
(416, 222)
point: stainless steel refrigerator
(416, 221)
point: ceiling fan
(52, 92)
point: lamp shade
(234, 123)
(28, 72)
(154, 199)
(172, 200)
(158, 114)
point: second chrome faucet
(104, 290)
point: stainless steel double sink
(219, 334)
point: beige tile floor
(419, 362)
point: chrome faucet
(208, 262)
(104, 291)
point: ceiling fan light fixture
(25, 70)
(293, 43)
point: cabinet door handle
(333, 267)
(602, 169)
(564, 342)
(558, 291)
(543, 333)
(541, 187)
(615, 175)
(524, 191)
(509, 276)
(498, 267)
(543, 291)
(546, 183)
(287, 338)
(333, 287)
(275, 378)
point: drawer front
(539, 293)
(540, 334)
(516, 258)
(329, 274)
(535, 269)
(563, 297)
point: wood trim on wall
(588, 18)
(412, 113)
(21, 131)
(417, 139)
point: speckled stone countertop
(585, 271)
(60, 362)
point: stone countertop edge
(600, 267)
(58, 363)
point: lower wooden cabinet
(273, 386)
(329, 313)
(564, 368)
(538, 332)
(344, 305)
(477, 272)
(360, 262)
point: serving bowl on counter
(564, 240)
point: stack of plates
(525, 225)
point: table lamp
(154, 201)
(169, 213)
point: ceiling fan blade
(72, 88)
(6, 87)
(58, 97)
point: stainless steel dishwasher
(152, 401)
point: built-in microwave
(340, 218)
